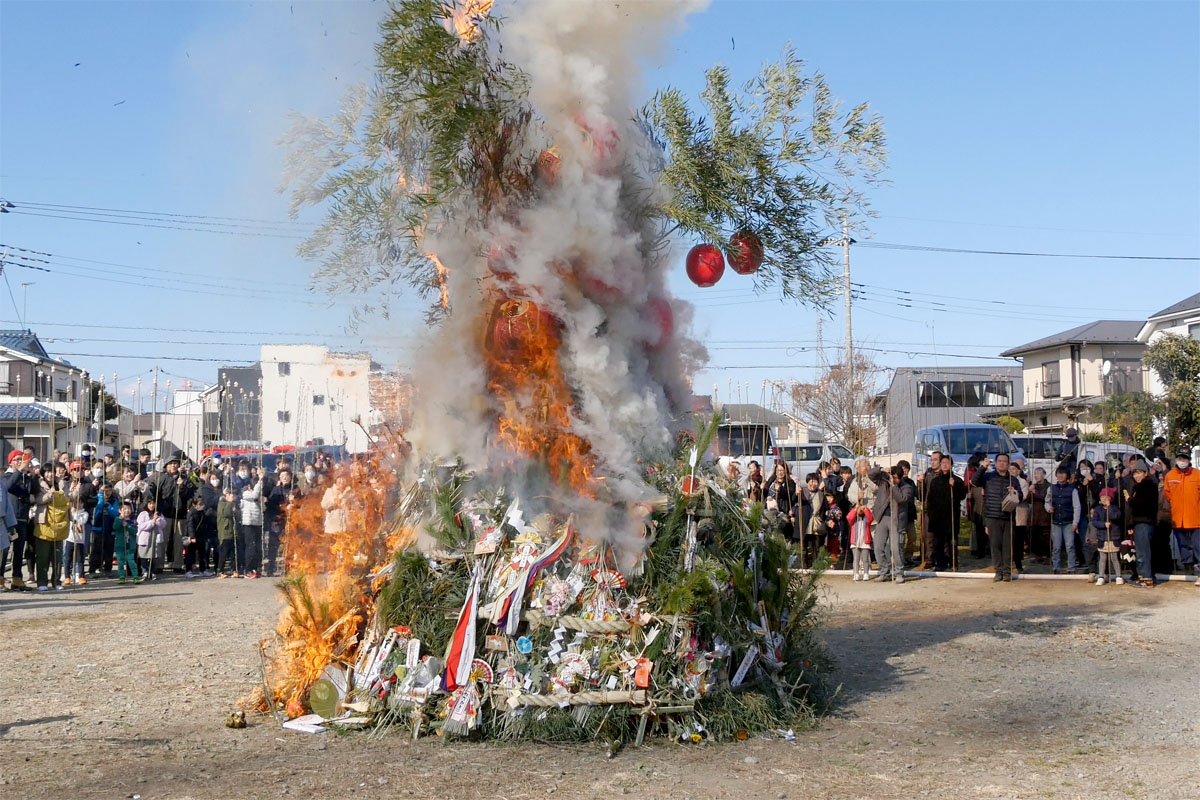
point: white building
(311, 394)
(43, 401)
(1181, 319)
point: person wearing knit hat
(1103, 537)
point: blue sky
(1045, 127)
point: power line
(101, 216)
(1032, 227)
(308, 334)
(173, 289)
(922, 294)
(160, 213)
(164, 227)
(931, 249)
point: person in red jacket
(860, 520)
(1182, 489)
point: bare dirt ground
(951, 688)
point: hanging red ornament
(745, 252)
(705, 265)
(515, 324)
(592, 285)
(659, 310)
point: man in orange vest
(1182, 489)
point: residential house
(921, 397)
(1067, 376)
(784, 427)
(1182, 319)
(42, 399)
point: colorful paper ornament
(705, 265)
(745, 252)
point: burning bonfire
(548, 551)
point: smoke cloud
(582, 252)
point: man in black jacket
(172, 494)
(20, 484)
(998, 522)
(944, 494)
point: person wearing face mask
(1182, 489)
(1089, 497)
(172, 494)
(106, 513)
(210, 494)
(251, 494)
(275, 516)
(311, 480)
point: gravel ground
(950, 688)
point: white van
(803, 459)
(744, 442)
(1041, 450)
(1111, 454)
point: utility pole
(846, 241)
(154, 411)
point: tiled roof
(25, 341)
(1186, 304)
(28, 342)
(27, 412)
(1102, 331)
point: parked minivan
(961, 442)
(1041, 450)
(744, 442)
(1111, 454)
(805, 458)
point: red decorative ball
(705, 265)
(745, 252)
(660, 311)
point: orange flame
(526, 381)
(464, 19)
(321, 622)
(441, 273)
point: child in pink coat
(860, 519)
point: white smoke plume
(581, 251)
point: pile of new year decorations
(501, 617)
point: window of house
(318, 399)
(1125, 377)
(74, 389)
(1050, 385)
(285, 368)
(1194, 331)
(964, 394)
(283, 416)
(61, 395)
